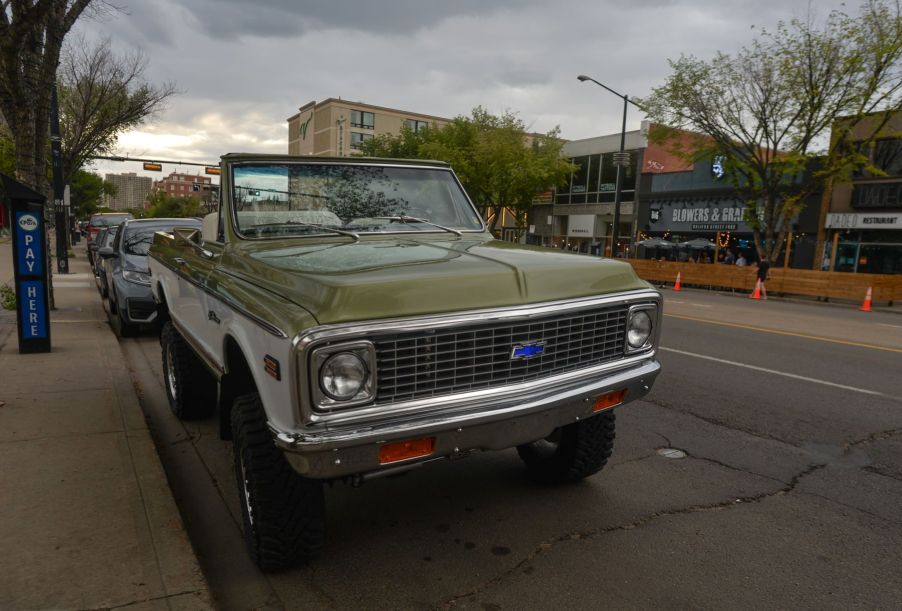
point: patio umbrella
(655, 243)
(698, 244)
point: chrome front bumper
(493, 424)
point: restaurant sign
(720, 215)
(877, 220)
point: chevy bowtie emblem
(527, 351)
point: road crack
(873, 438)
(547, 545)
(716, 422)
(733, 468)
(852, 507)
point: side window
(220, 225)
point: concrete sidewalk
(87, 519)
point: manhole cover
(671, 453)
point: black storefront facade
(697, 202)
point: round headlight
(639, 329)
(342, 376)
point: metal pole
(62, 222)
(615, 232)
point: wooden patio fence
(823, 285)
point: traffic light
(213, 171)
(153, 167)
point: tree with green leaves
(31, 40)
(87, 192)
(768, 110)
(163, 205)
(499, 164)
(101, 95)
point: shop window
(363, 119)
(580, 178)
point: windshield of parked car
(109, 219)
(138, 237)
(278, 199)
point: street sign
(213, 171)
(29, 266)
(153, 167)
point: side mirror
(107, 252)
(186, 236)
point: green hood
(407, 276)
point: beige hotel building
(337, 128)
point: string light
(724, 240)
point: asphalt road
(790, 416)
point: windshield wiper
(413, 219)
(314, 225)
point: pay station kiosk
(26, 215)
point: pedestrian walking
(763, 268)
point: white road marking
(873, 393)
(883, 324)
(71, 285)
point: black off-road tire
(571, 452)
(284, 514)
(190, 388)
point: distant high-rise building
(131, 191)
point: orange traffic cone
(676, 286)
(757, 293)
(866, 306)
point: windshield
(138, 238)
(305, 199)
(109, 219)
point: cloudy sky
(243, 67)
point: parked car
(353, 318)
(131, 302)
(99, 221)
(93, 245)
(105, 238)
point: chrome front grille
(417, 364)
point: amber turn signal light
(609, 400)
(403, 450)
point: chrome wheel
(170, 373)
(247, 494)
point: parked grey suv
(131, 302)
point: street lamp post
(621, 159)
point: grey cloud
(228, 18)
(245, 67)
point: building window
(415, 125)
(357, 139)
(362, 119)
(888, 156)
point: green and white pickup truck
(352, 318)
